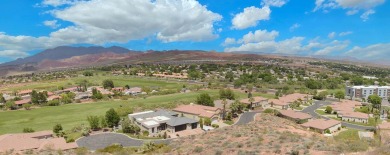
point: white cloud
(342, 34)
(352, 6)
(275, 3)
(295, 45)
(294, 27)
(56, 3)
(101, 22)
(365, 15)
(331, 35)
(51, 23)
(14, 54)
(259, 36)
(334, 46)
(372, 52)
(251, 17)
(229, 41)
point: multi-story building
(365, 91)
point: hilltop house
(196, 112)
(296, 116)
(322, 125)
(257, 102)
(161, 120)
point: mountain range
(65, 57)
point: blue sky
(332, 28)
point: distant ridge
(64, 52)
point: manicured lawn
(371, 122)
(321, 112)
(75, 114)
(119, 81)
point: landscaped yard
(321, 112)
(71, 115)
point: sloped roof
(203, 111)
(256, 99)
(321, 124)
(295, 114)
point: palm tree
(251, 100)
(224, 102)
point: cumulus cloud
(251, 17)
(51, 23)
(14, 54)
(372, 52)
(295, 45)
(352, 6)
(259, 36)
(294, 27)
(275, 3)
(229, 41)
(99, 22)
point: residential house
(196, 112)
(346, 111)
(33, 141)
(321, 125)
(296, 116)
(257, 102)
(24, 92)
(285, 101)
(53, 97)
(219, 104)
(133, 91)
(279, 104)
(21, 102)
(117, 89)
(161, 120)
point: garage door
(180, 127)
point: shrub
(198, 149)
(328, 109)
(70, 140)
(269, 111)
(327, 131)
(207, 121)
(28, 130)
(145, 133)
(53, 103)
(215, 126)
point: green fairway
(75, 114)
(119, 81)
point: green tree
(108, 84)
(204, 99)
(103, 122)
(88, 73)
(328, 109)
(340, 95)
(96, 94)
(201, 123)
(10, 105)
(34, 97)
(112, 118)
(2, 99)
(207, 121)
(93, 122)
(57, 129)
(27, 106)
(375, 100)
(237, 107)
(323, 95)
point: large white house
(161, 120)
(365, 91)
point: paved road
(246, 118)
(317, 104)
(103, 140)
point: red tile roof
(37, 140)
(202, 111)
(25, 101)
(295, 114)
(321, 124)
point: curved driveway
(317, 104)
(100, 141)
(246, 118)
